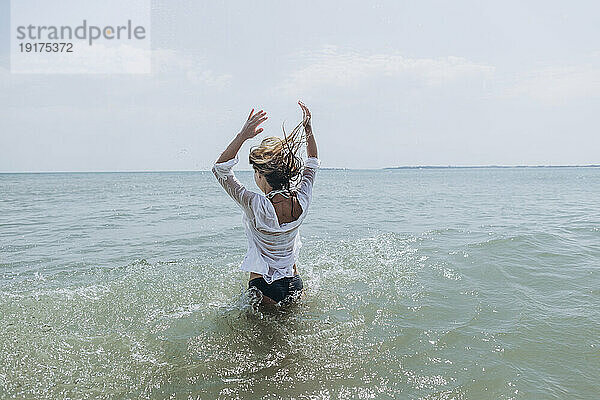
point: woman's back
(273, 240)
(287, 209)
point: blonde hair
(278, 159)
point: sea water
(431, 283)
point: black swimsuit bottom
(280, 289)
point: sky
(389, 83)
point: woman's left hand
(249, 130)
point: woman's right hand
(311, 144)
(249, 129)
(305, 116)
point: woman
(271, 221)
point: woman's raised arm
(222, 169)
(248, 132)
(311, 144)
(312, 163)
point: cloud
(171, 63)
(557, 84)
(4, 76)
(332, 67)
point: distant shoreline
(492, 166)
(322, 168)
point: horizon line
(322, 168)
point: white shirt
(273, 248)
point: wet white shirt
(273, 248)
